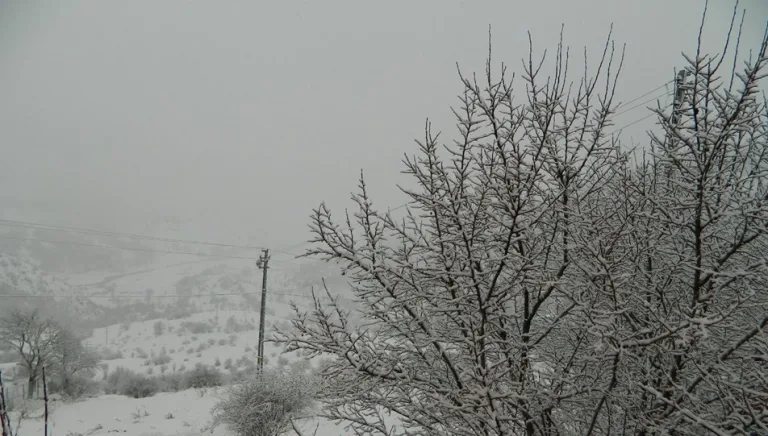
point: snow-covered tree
(71, 364)
(43, 342)
(544, 281)
(34, 337)
(693, 344)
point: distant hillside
(24, 283)
(67, 252)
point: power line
(26, 224)
(153, 296)
(401, 206)
(647, 93)
(289, 248)
(146, 250)
(641, 104)
(633, 123)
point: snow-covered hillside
(204, 284)
(167, 319)
(225, 339)
(23, 281)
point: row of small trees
(547, 281)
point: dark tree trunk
(31, 385)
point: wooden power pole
(263, 265)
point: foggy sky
(242, 116)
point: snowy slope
(227, 342)
(21, 277)
(200, 284)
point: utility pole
(263, 265)
(680, 89)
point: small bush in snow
(266, 405)
(161, 359)
(140, 387)
(159, 328)
(172, 382)
(107, 354)
(196, 327)
(204, 376)
(123, 381)
(139, 413)
(76, 386)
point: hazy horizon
(238, 119)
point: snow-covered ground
(172, 347)
(198, 338)
(183, 414)
(217, 335)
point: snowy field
(180, 414)
(174, 350)
(198, 338)
(217, 336)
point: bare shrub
(204, 376)
(161, 359)
(107, 354)
(266, 405)
(123, 381)
(159, 328)
(197, 327)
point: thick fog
(236, 118)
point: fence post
(5, 421)
(45, 398)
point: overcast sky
(239, 117)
